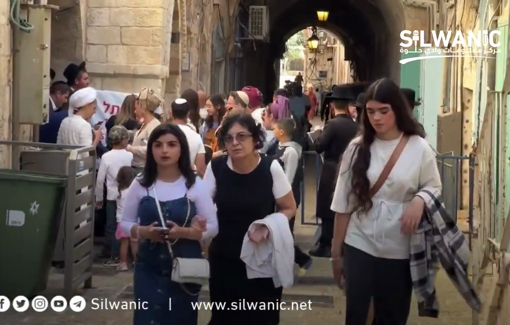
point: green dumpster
(33, 204)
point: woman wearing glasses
(145, 107)
(246, 187)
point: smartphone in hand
(162, 230)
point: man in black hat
(334, 139)
(410, 96)
(359, 105)
(77, 76)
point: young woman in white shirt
(169, 182)
(371, 245)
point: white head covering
(82, 97)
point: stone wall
(198, 45)
(126, 43)
(68, 27)
(5, 81)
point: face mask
(203, 113)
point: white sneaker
(122, 267)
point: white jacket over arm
(273, 258)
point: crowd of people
(206, 191)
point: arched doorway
(369, 30)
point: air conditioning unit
(259, 22)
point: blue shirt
(48, 132)
(298, 105)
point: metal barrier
(318, 166)
(75, 241)
(450, 170)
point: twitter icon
(20, 304)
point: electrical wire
(22, 24)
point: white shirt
(378, 232)
(281, 185)
(109, 167)
(273, 258)
(171, 191)
(257, 115)
(196, 146)
(121, 200)
(75, 131)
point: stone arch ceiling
(371, 29)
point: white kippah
(180, 101)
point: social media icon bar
(39, 304)
(5, 304)
(20, 304)
(58, 304)
(77, 304)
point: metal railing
(450, 170)
(307, 215)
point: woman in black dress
(246, 187)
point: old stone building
(127, 45)
(5, 79)
(171, 45)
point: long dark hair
(219, 104)
(124, 178)
(150, 171)
(387, 92)
(194, 110)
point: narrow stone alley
(327, 301)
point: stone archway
(369, 30)
(173, 82)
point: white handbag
(185, 270)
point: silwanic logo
(442, 44)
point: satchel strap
(389, 165)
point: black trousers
(229, 284)
(387, 281)
(300, 258)
(327, 229)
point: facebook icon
(4, 304)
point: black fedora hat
(360, 101)
(72, 71)
(343, 92)
(410, 95)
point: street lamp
(323, 15)
(313, 42)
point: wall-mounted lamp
(313, 42)
(323, 15)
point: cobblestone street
(328, 302)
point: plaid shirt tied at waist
(439, 240)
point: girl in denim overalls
(190, 215)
